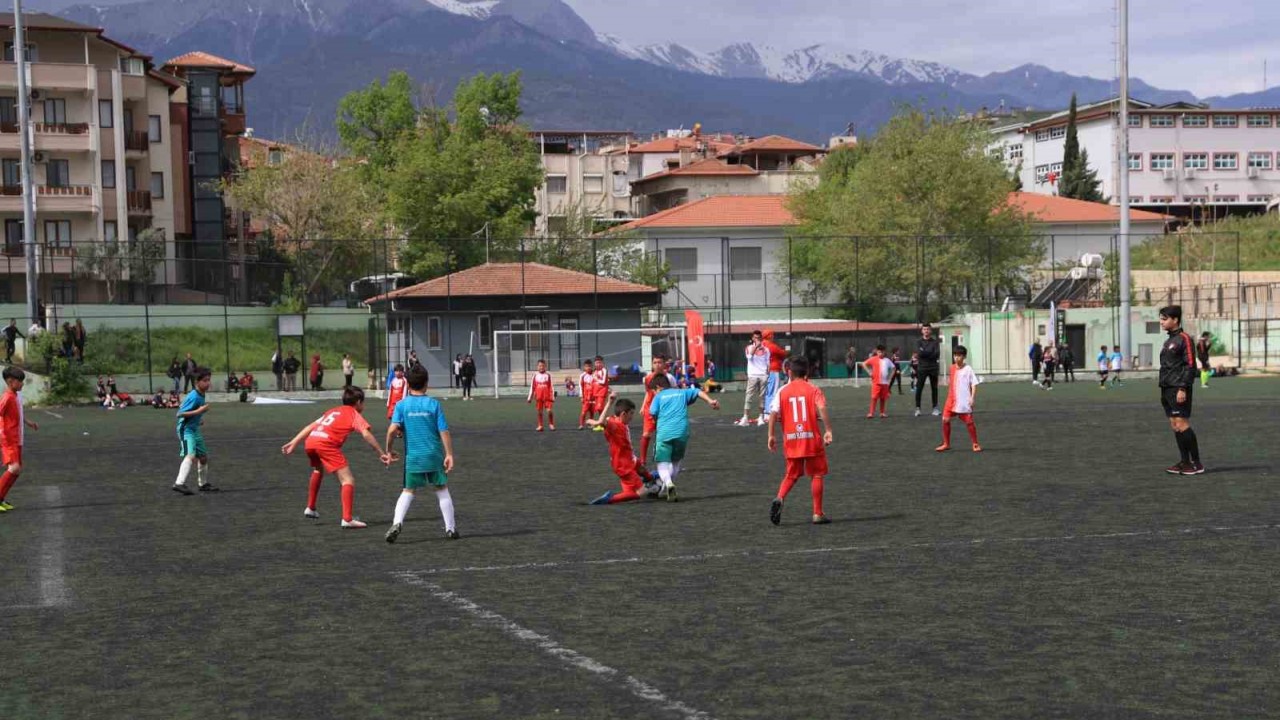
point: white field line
(568, 656)
(54, 414)
(937, 545)
(52, 579)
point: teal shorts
(192, 441)
(415, 480)
(670, 451)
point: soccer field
(1061, 573)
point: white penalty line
(52, 582)
(573, 658)
(54, 414)
(936, 545)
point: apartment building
(585, 171)
(1184, 159)
(102, 149)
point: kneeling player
(324, 439)
(798, 406)
(962, 391)
(629, 469)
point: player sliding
(540, 391)
(798, 406)
(324, 439)
(428, 456)
(670, 407)
(629, 469)
(1177, 377)
(962, 391)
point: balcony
(137, 141)
(49, 137)
(50, 198)
(48, 76)
(138, 202)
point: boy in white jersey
(540, 390)
(1117, 364)
(962, 391)
(587, 388)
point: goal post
(516, 352)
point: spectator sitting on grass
(101, 392)
(174, 401)
(157, 400)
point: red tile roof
(1054, 209)
(201, 59)
(671, 146)
(515, 279)
(720, 211)
(773, 143)
(709, 167)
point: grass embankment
(1213, 247)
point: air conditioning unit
(37, 157)
(1251, 172)
(35, 94)
(1170, 175)
(1189, 174)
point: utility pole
(1126, 329)
(28, 186)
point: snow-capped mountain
(478, 9)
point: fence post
(146, 309)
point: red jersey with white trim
(542, 386)
(649, 392)
(881, 369)
(621, 456)
(333, 427)
(777, 355)
(396, 393)
(602, 383)
(798, 403)
(12, 425)
(587, 383)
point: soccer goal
(627, 352)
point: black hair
(800, 366)
(1173, 312)
(14, 373)
(399, 367)
(623, 405)
(1205, 334)
(880, 348)
(203, 373)
(352, 395)
(417, 377)
(542, 360)
(960, 350)
(661, 382)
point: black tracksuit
(929, 352)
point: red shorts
(650, 424)
(12, 454)
(815, 466)
(544, 403)
(948, 413)
(879, 391)
(390, 409)
(327, 458)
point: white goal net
(627, 353)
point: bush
(66, 383)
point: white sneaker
(353, 524)
(917, 412)
(762, 420)
(936, 412)
(309, 513)
(743, 422)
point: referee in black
(929, 353)
(1177, 378)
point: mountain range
(309, 53)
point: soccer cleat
(5, 507)
(775, 512)
(603, 499)
(742, 422)
(1178, 468)
(539, 429)
(917, 412)
(598, 428)
(552, 427)
(671, 493)
(182, 489)
(762, 420)
(821, 520)
(393, 533)
(582, 427)
(310, 513)
(208, 488)
(883, 415)
(977, 447)
(451, 534)
(870, 415)
(1193, 468)
(353, 524)
(936, 412)
(942, 448)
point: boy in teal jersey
(190, 415)
(670, 408)
(428, 456)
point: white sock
(202, 474)
(402, 507)
(184, 470)
(664, 472)
(446, 507)
(675, 471)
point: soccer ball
(651, 488)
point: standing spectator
(174, 372)
(1036, 355)
(189, 368)
(1050, 358)
(78, 337)
(757, 377)
(291, 367)
(1203, 347)
(68, 341)
(469, 377)
(413, 361)
(457, 371)
(348, 370)
(929, 352)
(851, 361)
(317, 373)
(1067, 364)
(11, 335)
(277, 369)
(896, 357)
(36, 328)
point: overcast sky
(1209, 48)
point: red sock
(582, 416)
(787, 484)
(883, 401)
(946, 433)
(644, 448)
(551, 418)
(6, 481)
(348, 499)
(314, 492)
(973, 430)
(872, 410)
(816, 486)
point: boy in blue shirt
(1117, 364)
(428, 451)
(670, 408)
(1104, 367)
(190, 415)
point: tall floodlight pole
(28, 188)
(1126, 336)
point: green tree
(373, 121)
(582, 243)
(1081, 182)
(114, 262)
(1070, 155)
(921, 217)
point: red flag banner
(697, 345)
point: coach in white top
(757, 377)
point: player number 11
(799, 409)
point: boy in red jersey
(540, 390)
(798, 406)
(962, 391)
(324, 439)
(600, 376)
(629, 469)
(587, 387)
(12, 426)
(777, 355)
(395, 392)
(881, 369)
(658, 366)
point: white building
(1184, 159)
(585, 171)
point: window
(557, 224)
(127, 115)
(1044, 171)
(153, 128)
(132, 66)
(621, 188)
(30, 53)
(1135, 121)
(109, 232)
(1161, 121)
(1042, 135)
(996, 152)
(275, 156)
(1226, 121)
(130, 179)
(108, 174)
(557, 184)
(55, 111)
(13, 237)
(1196, 199)
(106, 116)
(593, 184)
(1136, 199)
(1226, 161)
(1195, 121)
(1195, 161)
(157, 185)
(64, 292)
(1260, 160)
(435, 339)
(1161, 199)
(683, 263)
(57, 233)
(1015, 152)
(1161, 161)
(569, 343)
(1153, 328)
(12, 172)
(58, 173)
(1135, 162)
(1058, 132)
(484, 329)
(1259, 198)
(9, 112)
(744, 263)
(1226, 198)
(1259, 121)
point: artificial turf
(1061, 573)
